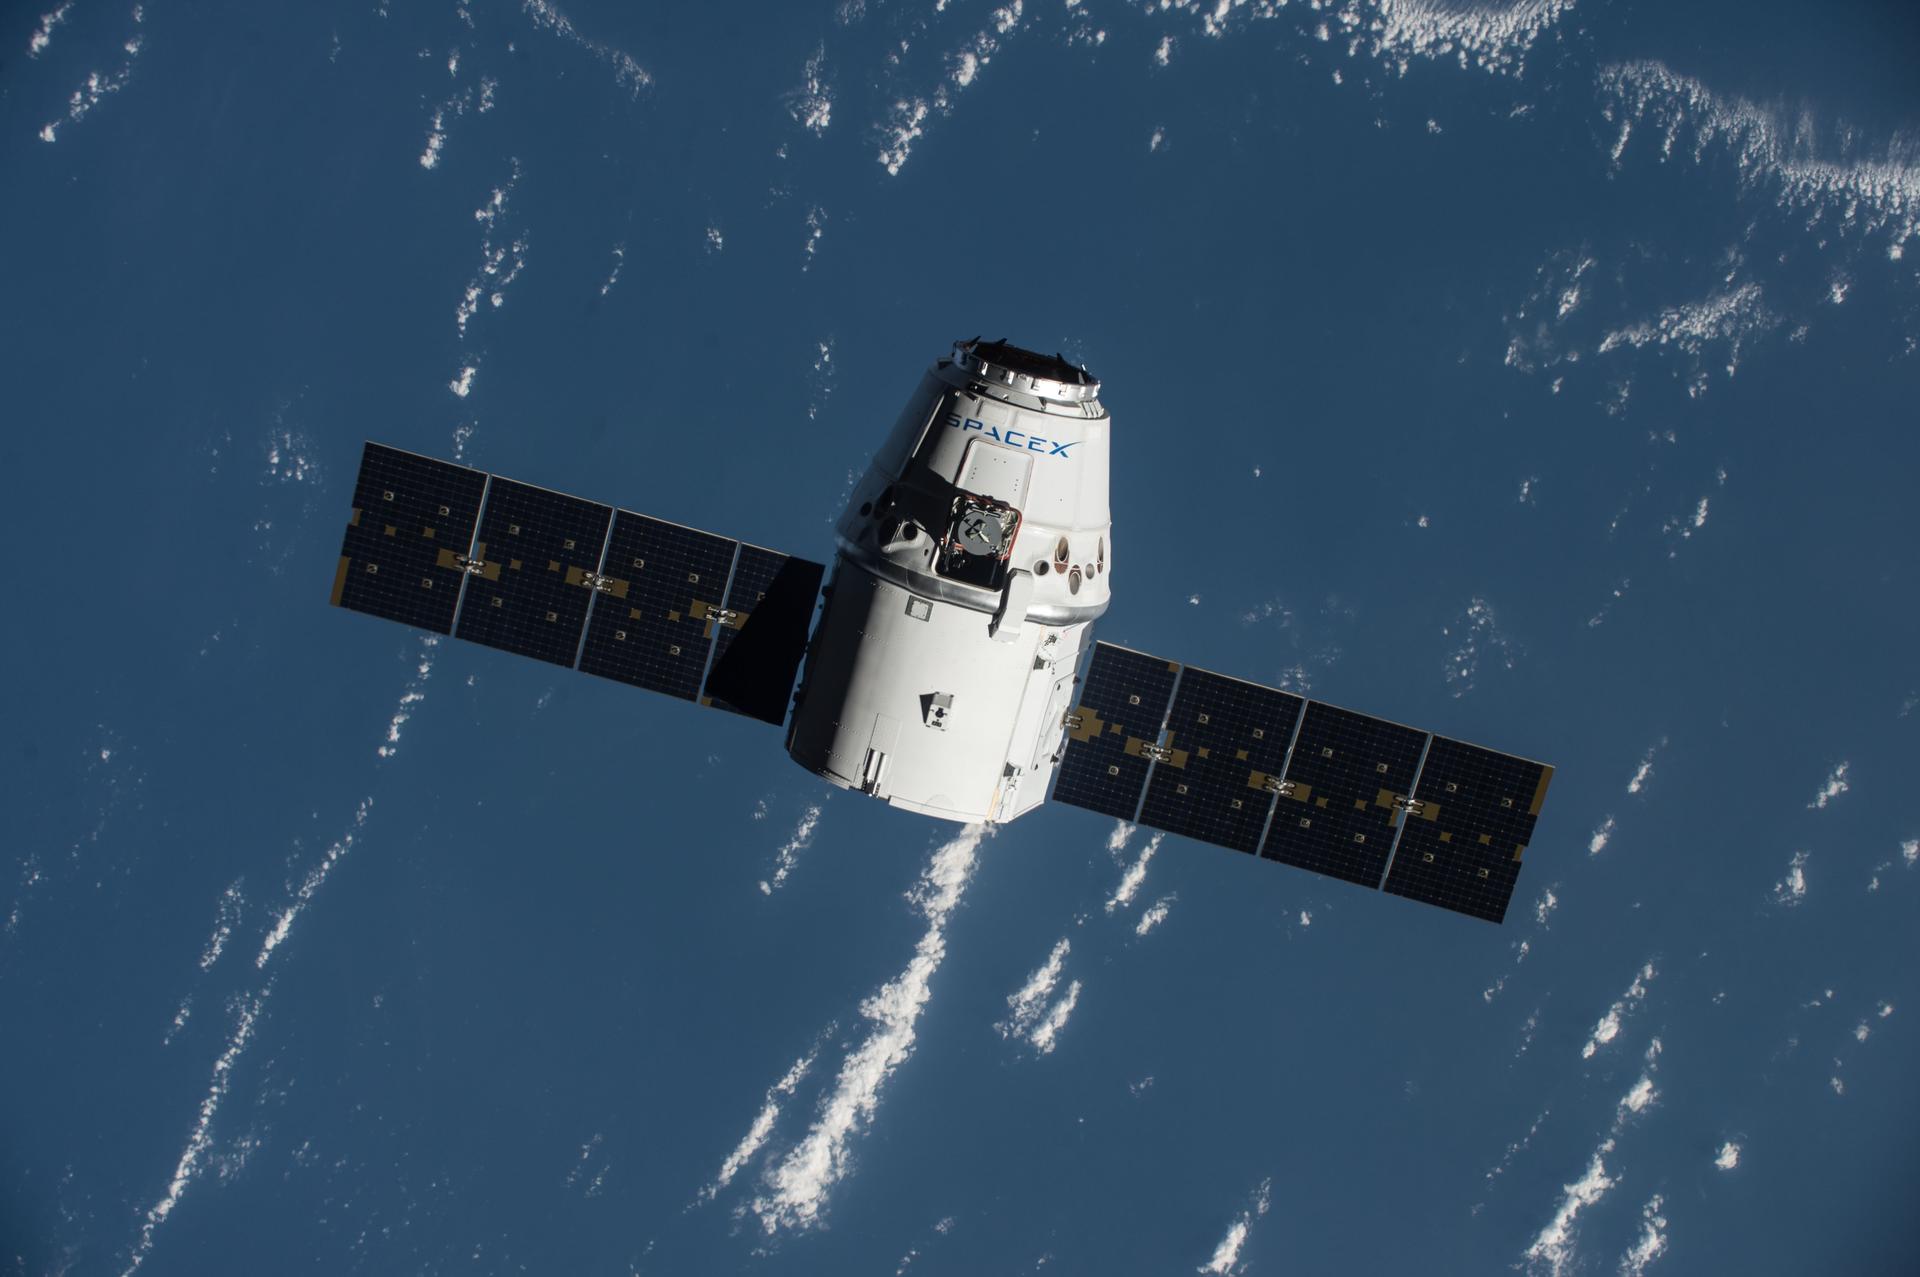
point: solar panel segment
(1122, 705)
(536, 551)
(1337, 814)
(1225, 737)
(757, 648)
(1473, 815)
(404, 554)
(652, 628)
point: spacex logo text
(1013, 438)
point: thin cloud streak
(1225, 1260)
(1136, 874)
(797, 1188)
(789, 853)
(762, 1127)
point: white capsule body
(972, 561)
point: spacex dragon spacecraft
(945, 672)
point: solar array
(1301, 782)
(628, 597)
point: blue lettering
(1012, 438)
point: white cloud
(1543, 909)
(811, 105)
(1163, 52)
(1792, 889)
(797, 1188)
(1480, 638)
(762, 1126)
(1492, 38)
(414, 693)
(200, 1138)
(1641, 1097)
(1155, 914)
(315, 879)
(1652, 1242)
(1046, 1034)
(613, 276)
(1024, 1003)
(1910, 851)
(231, 902)
(1117, 840)
(1136, 874)
(630, 75)
(43, 34)
(1728, 1157)
(1552, 1251)
(907, 119)
(1836, 785)
(1609, 1024)
(1226, 1256)
(462, 383)
(98, 86)
(1730, 318)
(436, 140)
(1853, 192)
(1601, 836)
(906, 124)
(1644, 772)
(816, 228)
(789, 851)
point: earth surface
(1544, 375)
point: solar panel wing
(407, 539)
(753, 573)
(763, 634)
(652, 627)
(1472, 817)
(538, 552)
(1111, 730)
(1337, 810)
(1225, 739)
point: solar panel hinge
(1274, 785)
(1412, 806)
(1157, 753)
(1074, 722)
(472, 567)
(597, 583)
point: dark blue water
(1425, 401)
